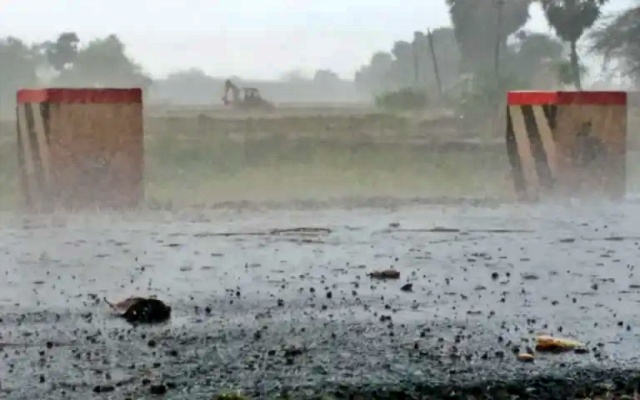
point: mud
(275, 303)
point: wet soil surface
(279, 303)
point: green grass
(8, 172)
(205, 170)
(189, 166)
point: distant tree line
(66, 61)
(485, 51)
(410, 63)
(619, 40)
(194, 86)
(396, 69)
(487, 39)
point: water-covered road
(265, 308)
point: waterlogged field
(281, 303)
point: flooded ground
(268, 309)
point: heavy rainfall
(456, 218)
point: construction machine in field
(245, 98)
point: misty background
(378, 99)
(181, 52)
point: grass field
(200, 160)
(210, 170)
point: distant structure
(250, 100)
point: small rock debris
(385, 274)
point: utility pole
(1, 94)
(434, 58)
(498, 115)
(500, 6)
(416, 53)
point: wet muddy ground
(279, 303)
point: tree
(402, 69)
(18, 69)
(373, 78)
(103, 62)
(191, 74)
(447, 56)
(295, 75)
(536, 56)
(191, 86)
(481, 25)
(62, 53)
(570, 19)
(410, 64)
(326, 77)
(537, 46)
(620, 39)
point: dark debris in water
(408, 287)
(385, 274)
(147, 311)
(140, 310)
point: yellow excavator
(250, 99)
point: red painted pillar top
(601, 98)
(82, 96)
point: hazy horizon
(252, 39)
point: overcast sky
(249, 38)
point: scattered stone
(408, 287)
(172, 353)
(158, 389)
(103, 389)
(385, 274)
(549, 343)
(140, 310)
(526, 357)
(123, 306)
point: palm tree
(620, 39)
(480, 25)
(570, 19)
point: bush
(564, 71)
(407, 99)
(482, 98)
